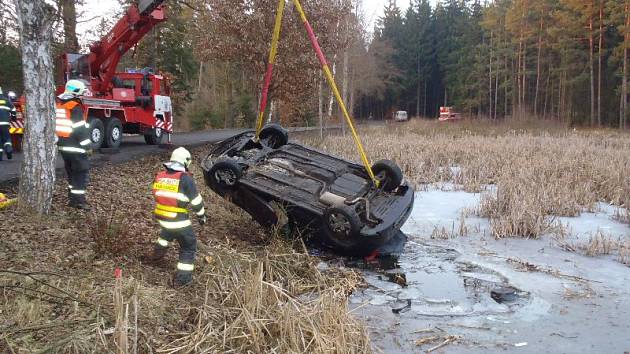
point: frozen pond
(456, 285)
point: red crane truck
(131, 102)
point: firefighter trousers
(187, 250)
(5, 142)
(77, 171)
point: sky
(95, 9)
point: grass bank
(538, 170)
(253, 291)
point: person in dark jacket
(6, 115)
(74, 142)
(174, 190)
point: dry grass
(253, 292)
(540, 170)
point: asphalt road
(134, 147)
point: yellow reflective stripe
(198, 200)
(201, 212)
(77, 191)
(78, 124)
(170, 208)
(166, 214)
(4, 123)
(172, 225)
(162, 242)
(185, 267)
(179, 196)
(85, 142)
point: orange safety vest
(167, 196)
(63, 121)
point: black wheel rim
(225, 177)
(339, 224)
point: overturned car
(323, 195)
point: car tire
(275, 136)
(388, 174)
(113, 133)
(342, 227)
(225, 173)
(97, 132)
(154, 137)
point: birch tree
(37, 179)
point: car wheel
(225, 173)
(275, 136)
(342, 225)
(154, 137)
(388, 174)
(113, 133)
(97, 132)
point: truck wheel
(225, 173)
(388, 174)
(113, 133)
(275, 135)
(155, 137)
(97, 132)
(342, 227)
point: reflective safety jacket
(71, 128)
(6, 110)
(174, 191)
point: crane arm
(106, 54)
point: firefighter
(174, 190)
(6, 114)
(74, 142)
(13, 98)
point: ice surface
(568, 303)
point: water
(482, 295)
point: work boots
(182, 279)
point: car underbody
(322, 195)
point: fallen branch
(447, 341)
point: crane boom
(105, 54)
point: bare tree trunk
(69, 17)
(37, 178)
(200, 76)
(331, 101)
(591, 62)
(599, 64)
(623, 112)
(538, 66)
(424, 102)
(418, 85)
(320, 106)
(490, 75)
(344, 84)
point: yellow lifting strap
(335, 90)
(329, 78)
(272, 60)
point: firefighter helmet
(182, 156)
(74, 88)
(12, 96)
(0, 90)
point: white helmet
(74, 89)
(182, 156)
(12, 96)
(0, 90)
